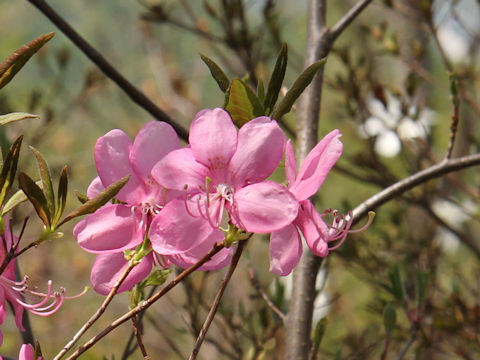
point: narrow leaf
(101, 199)
(46, 178)
(61, 194)
(261, 91)
(396, 281)
(36, 197)
(421, 279)
(9, 169)
(217, 73)
(15, 200)
(16, 116)
(276, 80)
(318, 333)
(12, 64)
(81, 197)
(242, 103)
(297, 89)
(389, 318)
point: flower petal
(107, 269)
(180, 171)
(175, 231)
(112, 228)
(213, 138)
(260, 148)
(112, 153)
(285, 250)
(26, 352)
(264, 207)
(189, 258)
(317, 165)
(313, 228)
(95, 188)
(290, 164)
(155, 140)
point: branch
(347, 19)
(132, 92)
(138, 335)
(299, 318)
(147, 303)
(97, 314)
(216, 301)
(410, 182)
(255, 283)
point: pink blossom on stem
(286, 244)
(223, 169)
(122, 226)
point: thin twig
(147, 303)
(464, 239)
(99, 60)
(138, 335)
(455, 113)
(216, 301)
(255, 283)
(410, 182)
(127, 352)
(347, 19)
(98, 313)
(407, 345)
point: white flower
(388, 125)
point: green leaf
(36, 197)
(156, 278)
(9, 169)
(16, 116)
(318, 333)
(396, 282)
(16, 199)
(101, 199)
(217, 73)
(12, 64)
(242, 103)
(46, 178)
(421, 279)
(389, 318)
(81, 197)
(261, 91)
(297, 89)
(61, 194)
(276, 80)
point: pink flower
(122, 226)
(19, 295)
(286, 244)
(222, 169)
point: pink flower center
(211, 206)
(148, 209)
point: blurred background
(386, 88)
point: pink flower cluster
(181, 199)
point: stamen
(341, 225)
(48, 303)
